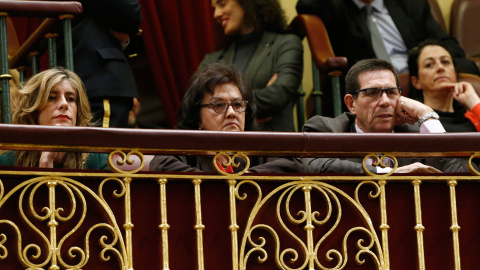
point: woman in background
(218, 99)
(54, 97)
(270, 60)
(432, 71)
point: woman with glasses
(218, 99)
(270, 59)
(433, 74)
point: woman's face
(61, 106)
(230, 120)
(435, 69)
(229, 14)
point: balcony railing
(129, 218)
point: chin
(231, 128)
(63, 124)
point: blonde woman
(54, 97)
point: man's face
(374, 115)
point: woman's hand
(272, 79)
(47, 159)
(464, 93)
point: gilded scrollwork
(117, 160)
(44, 222)
(226, 160)
(310, 244)
(3, 249)
(380, 160)
(471, 167)
(372, 194)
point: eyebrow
(221, 98)
(68, 93)
(442, 56)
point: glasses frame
(229, 104)
(400, 89)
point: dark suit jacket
(204, 164)
(346, 123)
(276, 53)
(98, 57)
(349, 35)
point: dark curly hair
(413, 56)
(265, 15)
(204, 81)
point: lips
(442, 78)
(223, 22)
(231, 124)
(384, 115)
(62, 117)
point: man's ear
(415, 82)
(350, 102)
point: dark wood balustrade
(167, 220)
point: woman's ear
(350, 102)
(415, 82)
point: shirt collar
(359, 130)
(377, 4)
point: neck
(247, 30)
(439, 100)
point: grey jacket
(280, 54)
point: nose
(62, 103)
(383, 100)
(230, 113)
(440, 66)
(217, 14)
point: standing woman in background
(270, 60)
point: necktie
(377, 40)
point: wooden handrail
(322, 52)
(32, 42)
(254, 143)
(39, 8)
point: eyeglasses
(222, 106)
(374, 93)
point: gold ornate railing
(130, 218)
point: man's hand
(409, 110)
(417, 167)
(123, 38)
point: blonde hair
(29, 100)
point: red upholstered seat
(464, 22)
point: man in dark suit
(402, 25)
(376, 105)
(99, 37)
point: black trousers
(110, 111)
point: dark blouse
(244, 49)
(456, 121)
